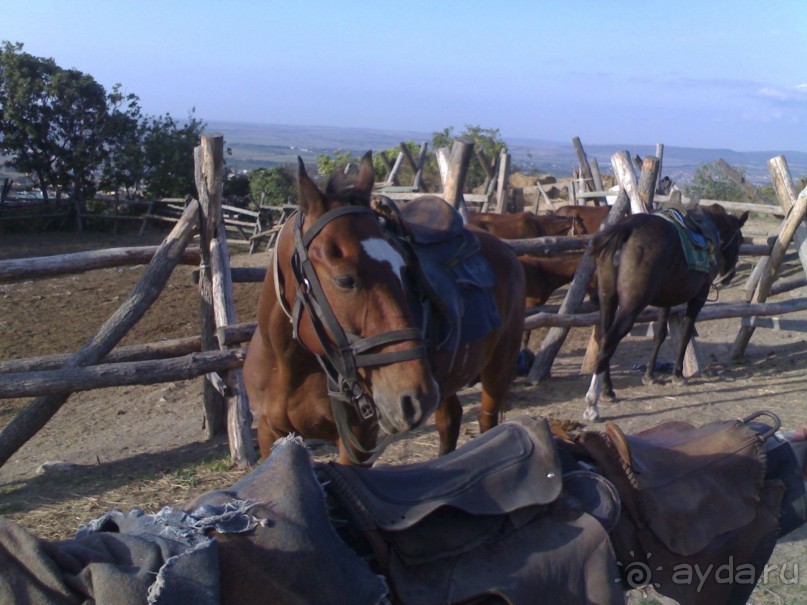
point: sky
(706, 74)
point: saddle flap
(693, 484)
(430, 220)
(511, 466)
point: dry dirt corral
(144, 446)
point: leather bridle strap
(343, 353)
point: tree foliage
(711, 183)
(61, 127)
(488, 140)
(271, 186)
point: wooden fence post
(501, 188)
(794, 219)
(457, 169)
(217, 306)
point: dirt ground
(144, 446)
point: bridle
(344, 353)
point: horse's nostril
(409, 409)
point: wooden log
(787, 285)
(393, 175)
(647, 181)
(660, 156)
(155, 350)
(458, 161)
(585, 170)
(205, 167)
(28, 422)
(786, 194)
(71, 380)
(626, 178)
(417, 182)
(794, 219)
(79, 262)
(710, 312)
(549, 245)
(239, 416)
(408, 157)
(554, 339)
(501, 188)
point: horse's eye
(347, 282)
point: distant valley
(263, 145)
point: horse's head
(350, 307)
(731, 238)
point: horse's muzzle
(407, 411)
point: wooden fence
(218, 352)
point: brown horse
(590, 217)
(343, 281)
(523, 225)
(641, 262)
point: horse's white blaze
(381, 250)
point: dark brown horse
(641, 262)
(524, 225)
(337, 294)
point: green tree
(124, 165)
(710, 183)
(327, 164)
(488, 140)
(271, 186)
(26, 110)
(168, 155)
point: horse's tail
(606, 243)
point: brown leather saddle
(691, 495)
(692, 484)
(452, 279)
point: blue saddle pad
(699, 247)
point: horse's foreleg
(687, 329)
(448, 418)
(660, 329)
(592, 411)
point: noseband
(344, 353)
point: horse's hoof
(610, 396)
(591, 414)
(680, 380)
(648, 380)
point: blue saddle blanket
(699, 239)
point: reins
(344, 353)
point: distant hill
(263, 145)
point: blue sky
(696, 74)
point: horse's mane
(342, 189)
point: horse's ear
(309, 198)
(366, 178)
(743, 218)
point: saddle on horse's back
(698, 234)
(497, 516)
(705, 496)
(451, 273)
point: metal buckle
(361, 401)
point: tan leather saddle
(692, 484)
(690, 495)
